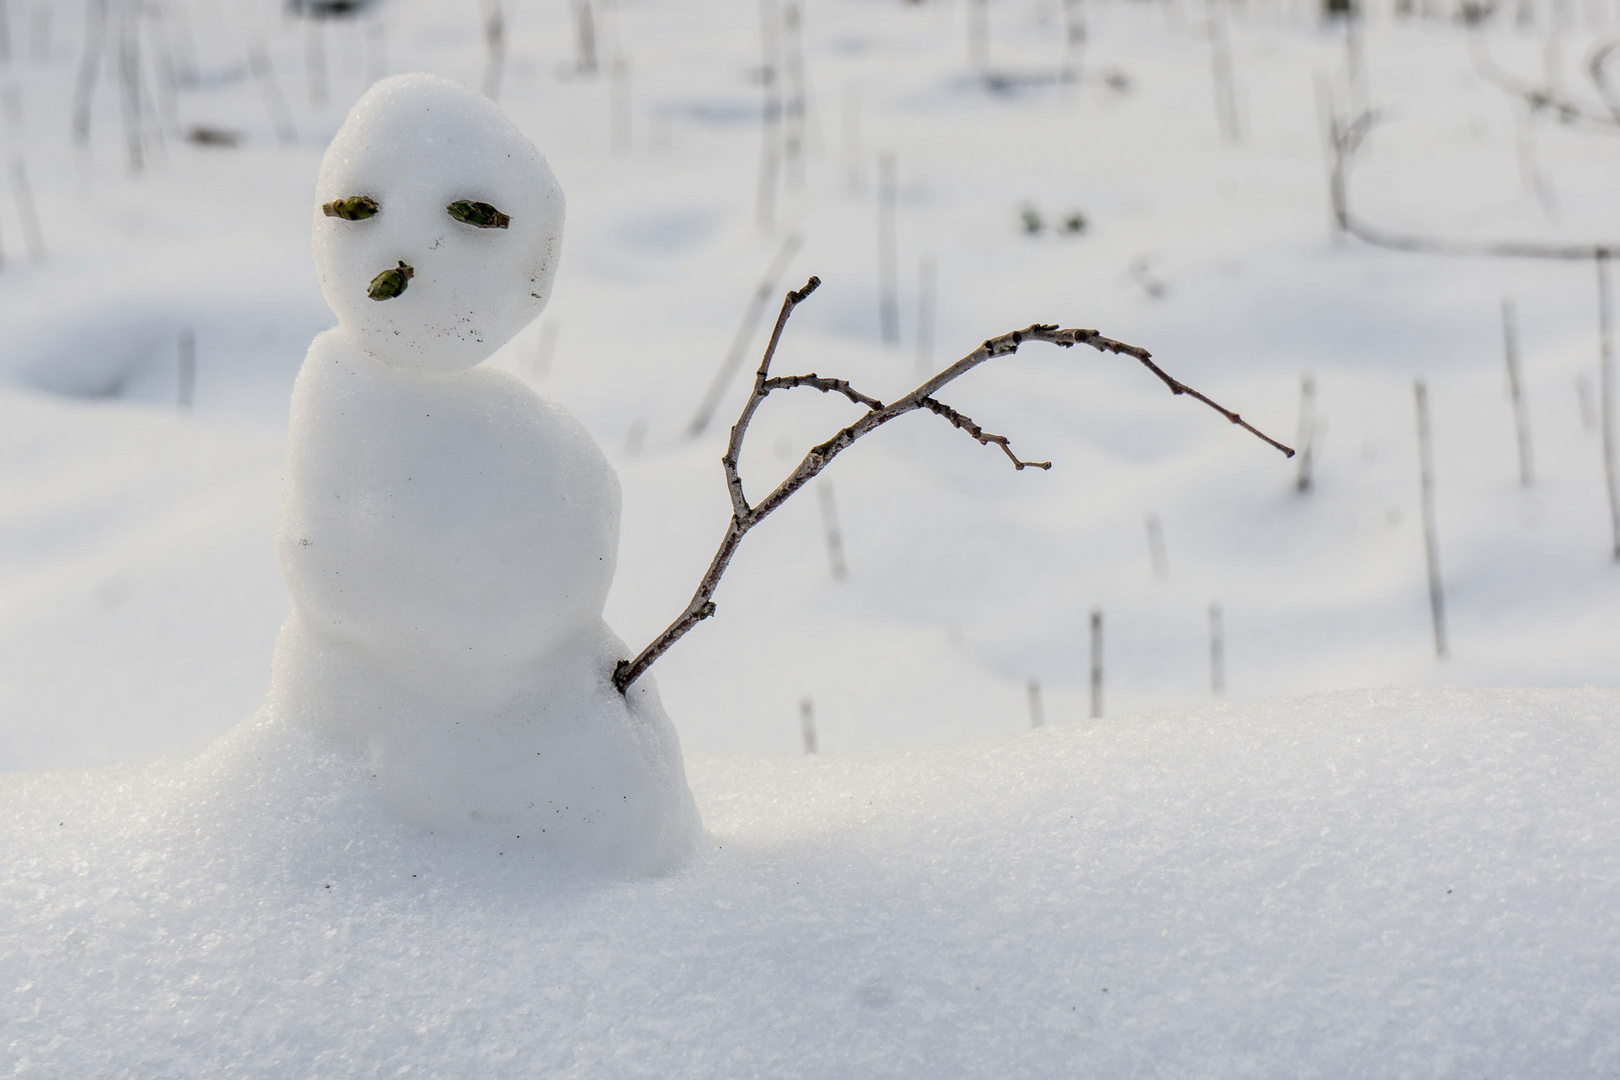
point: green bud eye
(390, 283)
(354, 208)
(480, 215)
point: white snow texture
(447, 537)
(1367, 884)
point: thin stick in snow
(1521, 417)
(1606, 393)
(1096, 665)
(1354, 61)
(850, 139)
(888, 258)
(494, 48)
(807, 725)
(835, 538)
(770, 142)
(1217, 650)
(978, 30)
(129, 82)
(1037, 715)
(1431, 542)
(745, 334)
(1074, 37)
(1156, 552)
(84, 88)
(622, 114)
(926, 305)
(793, 68)
(744, 515)
(584, 39)
(188, 368)
(265, 75)
(315, 59)
(1307, 431)
(24, 198)
(1226, 112)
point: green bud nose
(390, 283)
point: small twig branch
(962, 423)
(1546, 99)
(834, 386)
(1345, 138)
(1597, 65)
(745, 516)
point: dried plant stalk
(745, 516)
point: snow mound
(1381, 883)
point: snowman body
(448, 537)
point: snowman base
(548, 757)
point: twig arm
(744, 517)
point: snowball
(414, 145)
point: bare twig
(745, 334)
(26, 210)
(1346, 137)
(265, 75)
(494, 48)
(1096, 664)
(1521, 417)
(1597, 65)
(1431, 544)
(744, 516)
(95, 33)
(1221, 68)
(835, 536)
(888, 252)
(1606, 396)
(1548, 98)
(770, 138)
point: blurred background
(1161, 170)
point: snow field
(943, 541)
(1388, 883)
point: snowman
(448, 536)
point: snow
(414, 144)
(448, 538)
(1391, 883)
(941, 892)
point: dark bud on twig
(480, 215)
(390, 283)
(354, 208)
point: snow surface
(957, 896)
(966, 580)
(1381, 883)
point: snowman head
(437, 225)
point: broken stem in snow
(744, 516)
